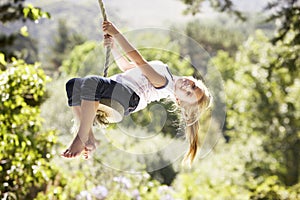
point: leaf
(24, 31)
(26, 11)
(2, 59)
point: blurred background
(246, 51)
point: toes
(88, 148)
(68, 154)
(71, 154)
(65, 153)
(86, 153)
(76, 154)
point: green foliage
(88, 58)
(64, 42)
(18, 44)
(167, 51)
(288, 13)
(229, 173)
(285, 12)
(263, 88)
(194, 7)
(33, 13)
(125, 187)
(25, 155)
(13, 10)
(260, 162)
(60, 121)
(85, 59)
(270, 188)
(214, 37)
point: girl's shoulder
(158, 65)
(162, 68)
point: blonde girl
(140, 83)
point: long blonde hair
(191, 114)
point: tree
(231, 172)
(261, 161)
(288, 14)
(13, 10)
(19, 44)
(271, 74)
(25, 149)
(194, 7)
(84, 59)
(64, 42)
(204, 41)
(263, 86)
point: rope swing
(108, 48)
(109, 110)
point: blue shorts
(95, 88)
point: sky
(154, 13)
(163, 12)
(84, 15)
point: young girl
(140, 83)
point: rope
(103, 117)
(108, 48)
(101, 4)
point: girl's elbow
(141, 62)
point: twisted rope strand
(103, 11)
(108, 48)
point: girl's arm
(134, 55)
(122, 62)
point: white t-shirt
(134, 79)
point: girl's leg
(87, 113)
(77, 112)
(91, 143)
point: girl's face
(186, 90)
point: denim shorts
(95, 88)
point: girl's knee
(74, 81)
(70, 83)
(73, 91)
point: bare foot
(75, 148)
(90, 145)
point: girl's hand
(108, 41)
(109, 28)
